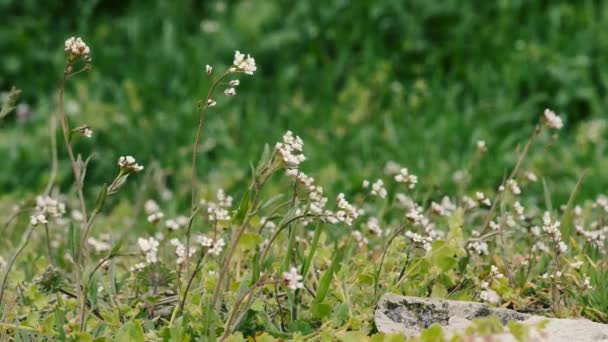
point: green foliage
(364, 83)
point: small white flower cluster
(291, 149)
(552, 120)
(180, 251)
(601, 202)
(587, 284)
(481, 146)
(494, 273)
(519, 210)
(292, 279)
(469, 203)
(512, 186)
(346, 213)
(214, 247)
(421, 241)
(218, 211)
(150, 248)
(378, 188)
(551, 228)
(416, 216)
(129, 164)
(406, 178)
(75, 47)
(595, 237)
(99, 245)
(46, 207)
(478, 247)
(177, 223)
(359, 238)
(373, 226)
(530, 176)
(244, 64)
(481, 197)
(318, 201)
(445, 208)
(153, 211)
(556, 275)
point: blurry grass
(417, 82)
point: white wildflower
(38, 219)
(361, 240)
(378, 189)
(76, 47)
(217, 247)
(208, 69)
(99, 245)
(244, 64)
(373, 225)
(292, 279)
(129, 164)
(150, 248)
(291, 149)
(481, 146)
(553, 120)
(513, 187)
(406, 178)
(230, 92)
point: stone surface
(411, 315)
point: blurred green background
(362, 82)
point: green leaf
(243, 208)
(101, 198)
(250, 240)
(519, 331)
(130, 331)
(439, 291)
(320, 310)
(313, 249)
(300, 326)
(340, 314)
(327, 277)
(73, 237)
(433, 334)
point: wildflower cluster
(149, 247)
(244, 63)
(214, 247)
(153, 211)
(291, 149)
(218, 210)
(292, 279)
(552, 120)
(46, 207)
(76, 48)
(128, 164)
(406, 178)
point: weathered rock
(411, 315)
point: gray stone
(411, 315)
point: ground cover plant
(285, 258)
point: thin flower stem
(379, 270)
(228, 326)
(513, 174)
(79, 189)
(190, 280)
(204, 107)
(48, 244)
(25, 239)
